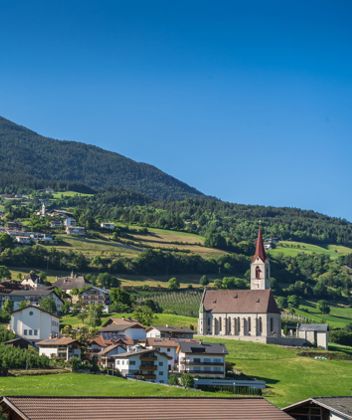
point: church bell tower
(260, 266)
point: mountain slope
(28, 159)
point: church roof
(240, 301)
(259, 248)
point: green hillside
(293, 248)
(30, 160)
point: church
(251, 315)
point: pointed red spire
(259, 249)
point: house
(107, 226)
(94, 295)
(63, 348)
(18, 342)
(56, 224)
(117, 327)
(147, 408)
(67, 284)
(106, 356)
(23, 239)
(98, 343)
(75, 230)
(202, 360)
(32, 280)
(34, 296)
(164, 345)
(70, 221)
(34, 324)
(314, 334)
(169, 332)
(322, 408)
(148, 365)
(251, 315)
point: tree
(186, 380)
(153, 305)
(323, 307)
(173, 283)
(107, 281)
(293, 301)
(121, 300)
(48, 305)
(144, 314)
(91, 315)
(5, 273)
(6, 241)
(204, 281)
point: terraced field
(292, 248)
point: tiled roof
(108, 349)
(168, 329)
(61, 341)
(313, 327)
(99, 408)
(42, 291)
(139, 352)
(68, 283)
(341, 406)
(189, 347)
(161, 342)
(37, 308)
(120, 324)
(240, 301)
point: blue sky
(248, 101)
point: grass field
(161, 319)
(338, 317)
(289, 377)
(67, 194)
(292, 249)
(79, 384)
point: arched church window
(257, 272)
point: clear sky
(249, 101)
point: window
(30, 313)
(35, 332)
(161, 373)
(30, 332)
(161, 364)
(117, 362)
(168, 349)
(132, 362)
(25, 332)
(271, 324)
(257, 272)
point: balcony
(148, 368)
(200, 363)
(148, 358)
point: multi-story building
(149, 365)
(202, 360)
(63, 348)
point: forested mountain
(29, 160)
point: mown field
(80, 384)
(292, 248)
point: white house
(70, 221)
(149, 365)
(34, 324)
(165, 345)
(202, 360)
(106, 356)
(117, 327)
(315, 334)
(75, 230)
(107, 226)
(63, 348)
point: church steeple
(259, 248)
(260, 267)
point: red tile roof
(99, 408)
(61, 341)
(240, 301)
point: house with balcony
(63, 348)
(201, 359)
(106, 356)
(166, 346)
(147, 365)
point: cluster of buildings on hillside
(32, 290)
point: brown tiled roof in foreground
(240, 301)
(99, 408)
